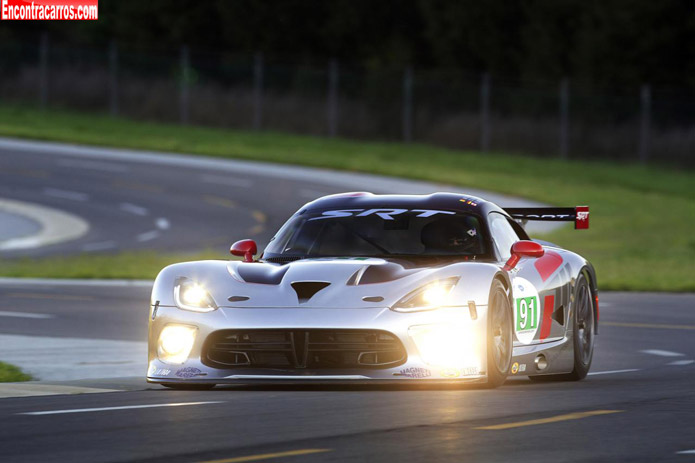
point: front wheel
(500, 336)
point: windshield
(379, 233)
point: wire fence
(444, 107)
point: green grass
(12, 374)
(642, 217)
(126, 265)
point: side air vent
(306, 289)
(559, 315)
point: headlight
(449, 346)
(429, 297)
(189, 295)
(175, 343)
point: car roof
(366, 200)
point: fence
(445, 107)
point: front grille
(299, 349)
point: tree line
(601, 43)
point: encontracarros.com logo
(76, 10)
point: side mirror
(245, 249)
(523, 249)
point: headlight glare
(175, 343)
(189, 295)
(449, 346)
(431, 296)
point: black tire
(583, 319)
(500, 335)
(189, 387)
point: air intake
(306, 289)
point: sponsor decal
(517, 368)
(457, 372)
(414, 372)
(162, 372)
(468, 202)
(189, 372)
(526, 310)
(385, 214)
(582, 220)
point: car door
(539, 302)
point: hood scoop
(307, 289)
(264, 274)
(379, 274)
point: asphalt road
(637, 405)
(144, 201)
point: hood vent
(264, 274)
(379, 274)
(306, 289)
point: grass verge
(642, 220)
(12, 374)
(126, 265)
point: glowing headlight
(189, 295)
(450, 346)
(429, 297)
(175, 343)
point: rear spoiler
(579, 215)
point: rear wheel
(500, 335)
(583, 326)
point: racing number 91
(527, 313)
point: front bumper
(413, 369)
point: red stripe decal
(547, 322)
(547, 264)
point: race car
(381, 288)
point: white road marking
(99, 246)
(147, 236)
(162, 223)
(25, 315)
(133, 209)
(682, 362)
(662, 353)
(64, 194)
(81, 164)
(229, 181)
(56, 226)
(686, 452)
(126, 407)
(610, 372)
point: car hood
(325, 282)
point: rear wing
(579, 215)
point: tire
(583, 319)
(189, 387)
(500, 335)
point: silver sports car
(361, 287)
